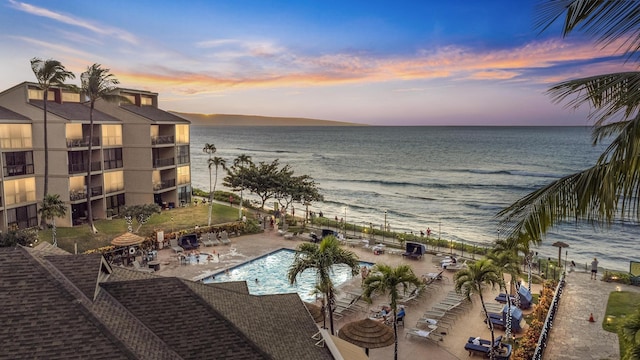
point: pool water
(268, 275)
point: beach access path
(573, 336)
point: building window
(23, 217)
(113, 158)
(113, 181)
(77, 161)
(131, 98)
(146, 101)
(115, 204)
(183, 154)
(19, 191)
(18, 163)
(15, 136)
(182, 134)
(70, 97)
(112, 135)
(184, 195)
(37, 94)
(184, 175)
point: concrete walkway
(573, 336)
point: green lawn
(620, 304)
(168, 220)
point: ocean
(453, 180)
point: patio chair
(174, 245)
(210, 240)
(224, 238)
(138, 267)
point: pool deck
(251, 246)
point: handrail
(548, 323)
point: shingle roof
(56, 313)
(154, 114)
(6, 114)
(74, 111)
(253, 314)
(183, 320)
(81, 270)
(43, 320)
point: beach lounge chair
(424, 335)
(483, 347)
(174, 245)
(138, 267)
(224, 238)
(210, 240)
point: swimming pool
(271, 269)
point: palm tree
(608, 190)
(322, 257)
(217, 162)
(240, 161)
(630, 332)
(49, 73)
(51, 208)
(210, 149)
(97, 83)
(474, 279)
(387, 280)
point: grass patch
(167, 220)
(620, 304)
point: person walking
(594, 269)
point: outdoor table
(155, 265)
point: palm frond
(608, 95)
(605, 21)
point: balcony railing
(16, 170)
(72, 143)
(164, 184)
(163, 162)
(159, 140)
(82, 195)
(82, 167)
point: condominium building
(140, 154)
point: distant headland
(255, 120)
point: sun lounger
(175, 246)
(210, 240)
(483, 347)
(224, 238)
(425, 335)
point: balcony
(74, 143)
(164, 185)
(82, 195)
(16, 170)
(162, 140)
(163, 162)
(82, 167)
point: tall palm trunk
(330, 305)
(486, 314)
(210, 194)
(395, 334)
(89, 210)
(43, 221)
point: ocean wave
(508, 172)
(249, 150)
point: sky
(422, 62)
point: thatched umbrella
(368, 334)
(560, 245)
(127, 239)
(315, 311)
